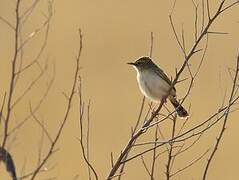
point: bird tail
(178, 107)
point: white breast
(151, 85)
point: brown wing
(163, 76)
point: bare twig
(208, 11)
(46, 24)
(218, 140)
(196, 20)
(34, 109)
(69, 103)
(7, 23)
(151, 44)
(145, 166)
(2, 107)
(85, 151)
(28, 89)
(230, 6)
(176, 36)
(41, 125)
(87, 138)
(154, 153)
(190, 164)
(12, 79)
(169, 162)
(203, 15)
(25, 15)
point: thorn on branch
(196, 51)
(215, 32)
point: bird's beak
(131, 63)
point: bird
(155, 84)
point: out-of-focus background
(114, 33)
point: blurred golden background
(114, 33)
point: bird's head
(142, 63)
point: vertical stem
(224, 123)
(154, 153)
(168, 165)
(13, 67)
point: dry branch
(85, 150)
(169, 163)
(51, 150)
(12, 79)
(227, 112)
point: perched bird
(155, 84)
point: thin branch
(31, 173)
(2, 107)
(174, 4)
(214, 32)
(224, 123)
(183, 40)
(41, 142)
(145, 166)
(36, 108)
(196, 20)
(190, 164)
(45, 41)
(230, 6)
(202, 59)
(176, 35)
(85, 152)
(208, 11)
(154, 154)
(33, 34)
(21, 55)
(151, 44)
(51, 150)
(12, 79)
(25, 15)
(7, 23)
(188, 147)
(87, 138)
(28, 89)
(41, 125)
(203, 15)
(112, 159)
(169, 162)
